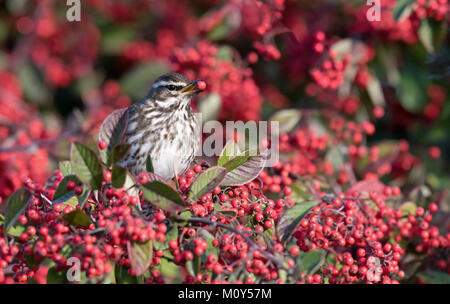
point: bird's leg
(175, 169)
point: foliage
(363, 111)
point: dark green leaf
(164, 190)
(32, 82)
(291, 218)
(432, 34)
(434, 277)
(140, 255)
(56, 277)
(86, 166)
(115, 38)
(77, 218)
(310, 259)
(411, 89)
(171, 234)
(15, 205)
(402, 9)
(162, 196)
(149, 165)
(123, 276)
(118, 152)
(206, 182)
(118, 176)
(61, 192)
(190, 267)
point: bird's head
(175, 88)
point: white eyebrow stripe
(164, 83)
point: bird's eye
(171, 87)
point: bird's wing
(114, 127)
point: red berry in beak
(201, 85)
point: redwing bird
(162, 126)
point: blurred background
(59, 79)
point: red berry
(78, 190)
(217, 268)
(433, 207)
(142, 178)
(71, 185)
(188, 255)
(295, 250)
(420, 211)
(201, 85)
(102, 145)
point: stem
(246, 238)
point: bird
(162, 126)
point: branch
(232, 229)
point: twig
(246, 238)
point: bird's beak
(190, 88)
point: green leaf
(61, 192)
(123, 276)
(206, 182)
(408, 208)
(291, 218)
(171, 234)
(310, 259)
(434, 277)
(432, 34)
(402, 9)
(66, 167)
(115, 38)
(230, 151)
(136, 82)
(236, 161)
(375, 91)
(149, 165)
(77, 218)
(140, 255)
(223, 28)
(15, 206)
(118, 152)
(32, 82)
(56, 277)
(287, 119)
(16, 230)
(86, 166)
(411, 89)
(110, 278)
(118, 176)
(190, 267)
(335, 157)
(162, 195)
(282, 274)
(248, 170)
